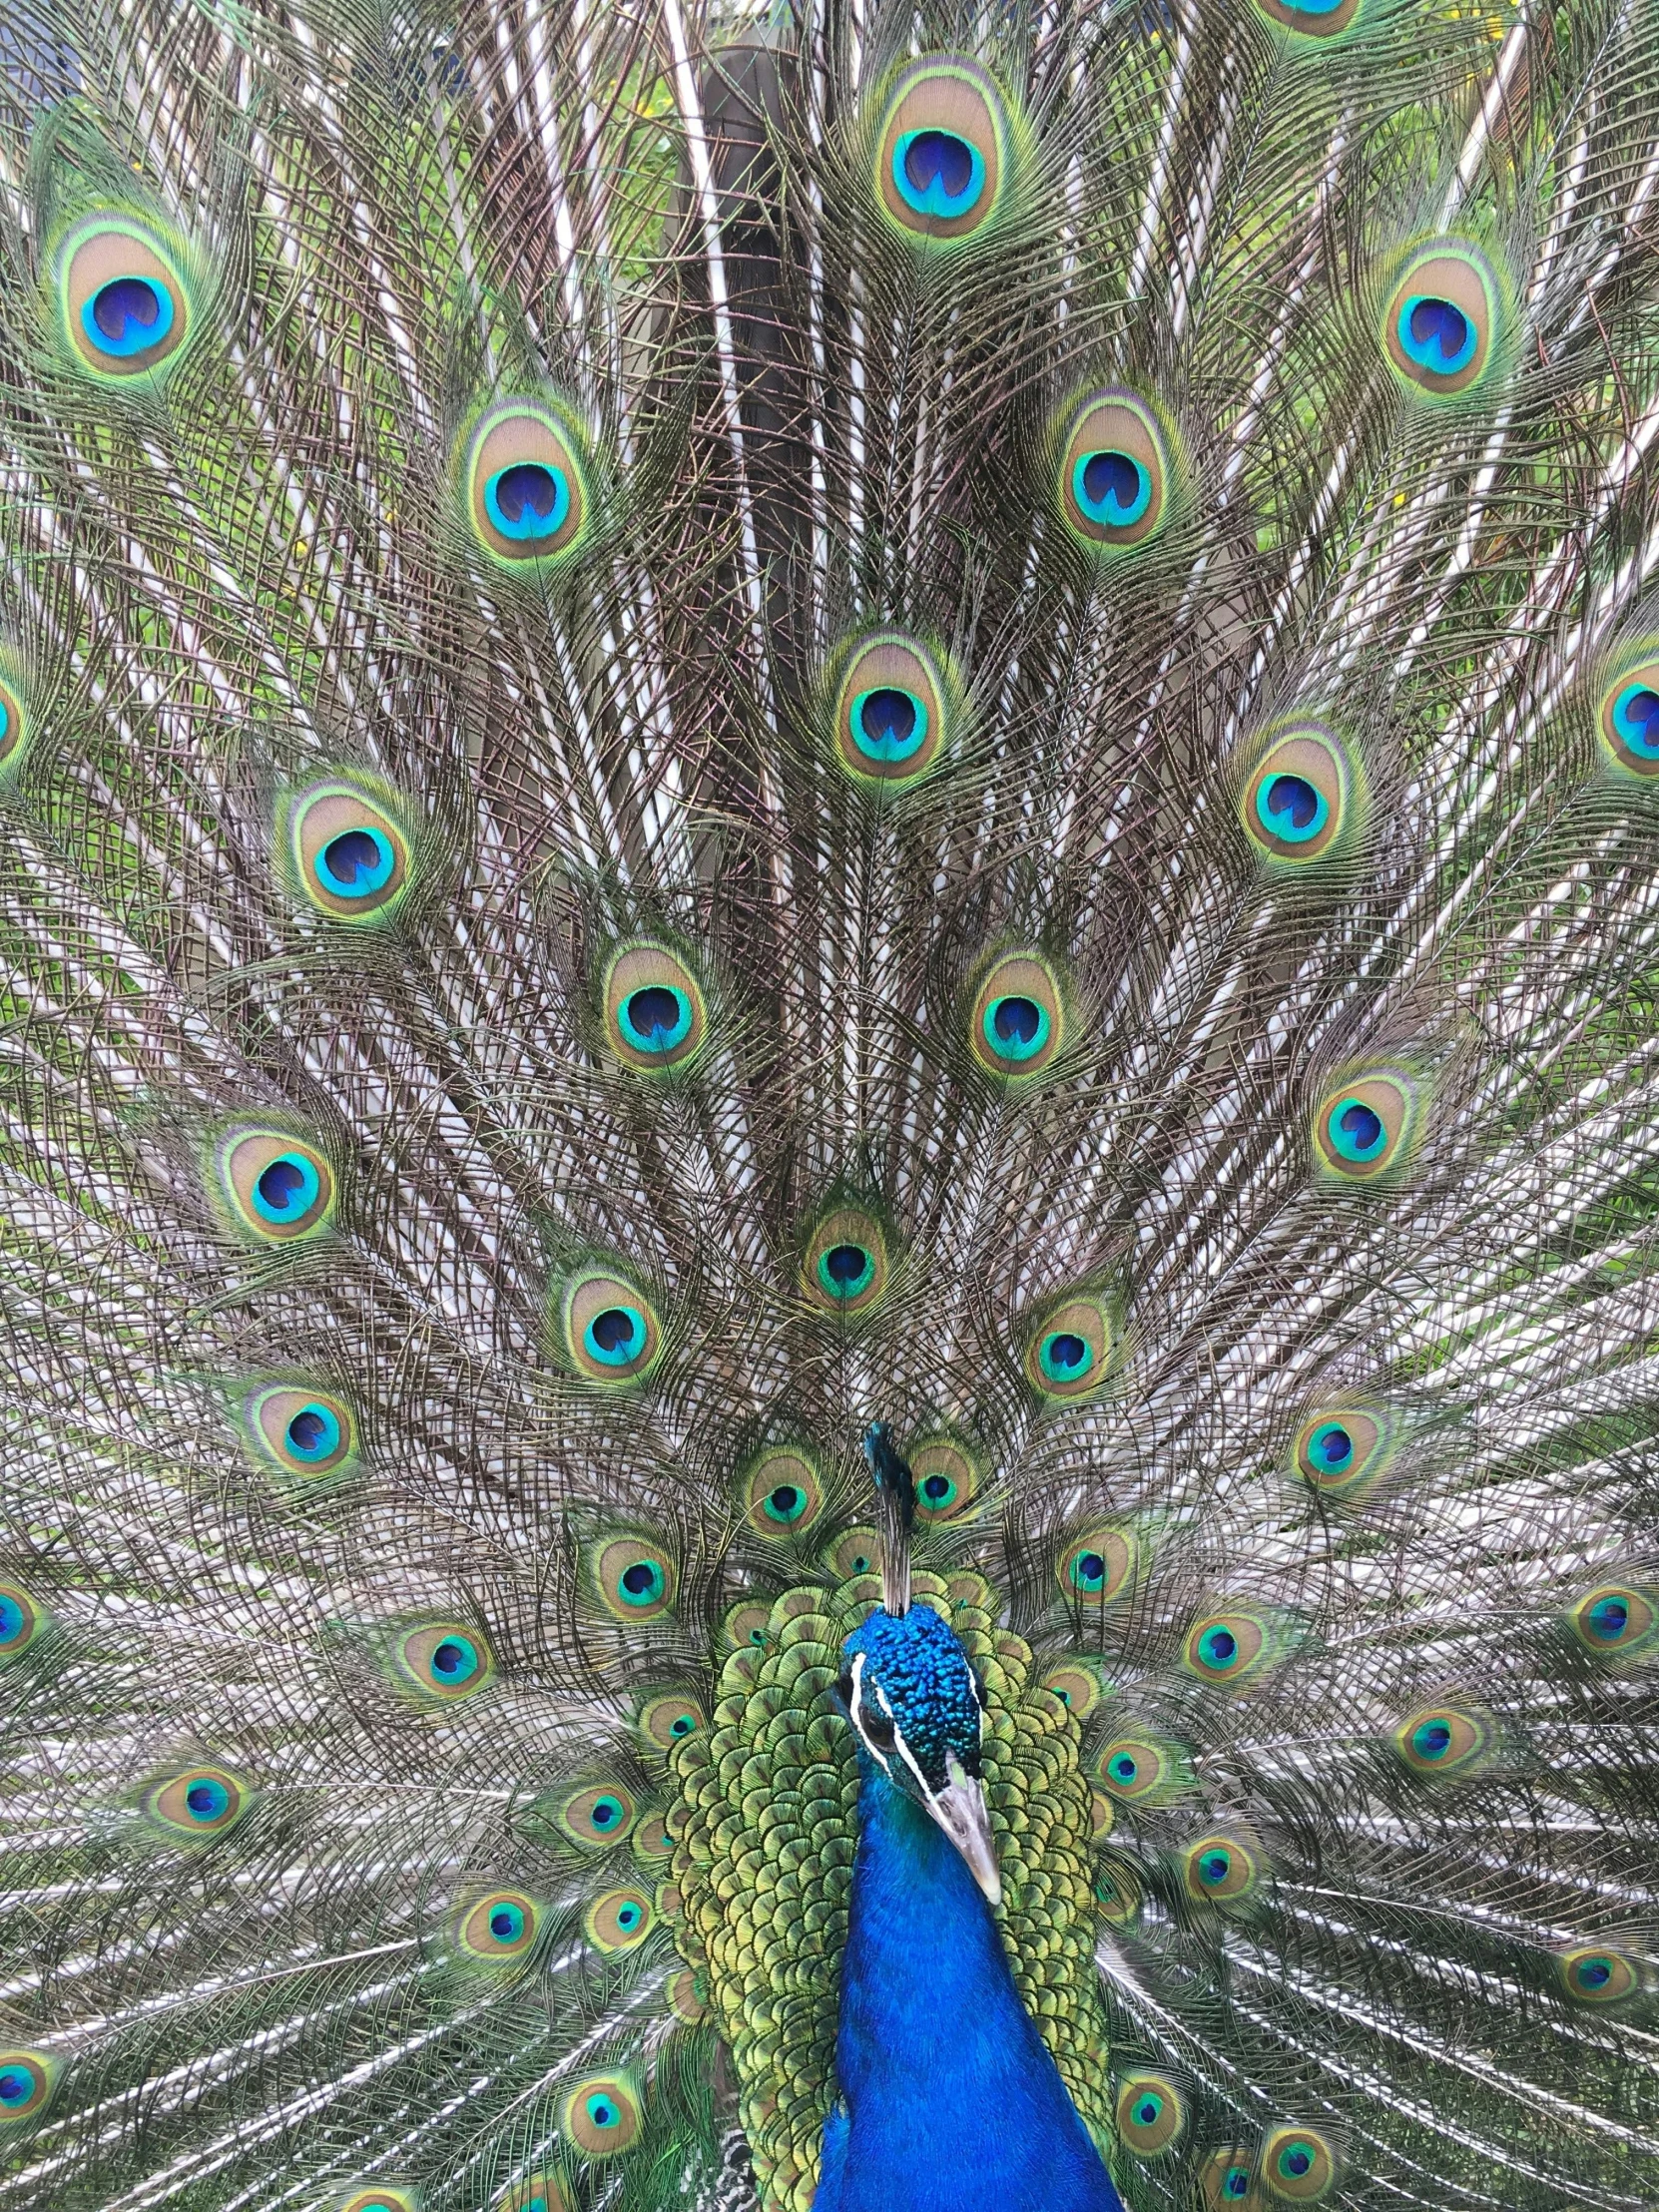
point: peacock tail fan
(719, 725)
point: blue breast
(951, 2100)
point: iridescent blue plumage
(948, 2097)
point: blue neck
(954, 2102)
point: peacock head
(916, 1703)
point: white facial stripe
(903, 1751)
(857, 1703)
(857, 1708)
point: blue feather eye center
(1236, 2182)
(528, 500)
(656, 1018)
(1295, 2161)
(314, 1433)
(287, 1189)
(1064, 1357)
(1636, 718)
(13, 1620)
(206, 1799)
(1017, 1021)
(128, 316)
(1290, 809)
(846, 1270)
(506, 1924)
(1111, 488)
(356, 863)
(888, 723)
(1218, 1648)
(1017, 1028)
(455, 1659)
(1431, 1739)
(937, 173)
(786, 1504)
(1608, 1618)
(1437, 333)
(937, 1491)
(1147, 2108)
(1357, 1130)
(1214, 1866)
(616, 1335)
(1331, 1447)
(16, 2086)
(602, 2112)
(1088, 1572)
(1123, 1768)
(642, 1583)
(606, 1812)
(1593, 1973)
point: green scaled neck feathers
(768, 1903)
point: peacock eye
(894, 712)
(276, 1188)
(655, 1011)
(1017, 1022)
(1303, 797)
(879, 1728)
(305, 1433)
(1114, 473)
(350, 860)
(125, 305)
(20, 1621)
(943, 166)
(27, 2080)
(500, 1928)
(1367, 1126)
(1616, 1619)
(1442, 318)
(1627, 714)
(846, 1264)
(525, 484)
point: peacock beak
(961, 1809)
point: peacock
(829, 1108)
